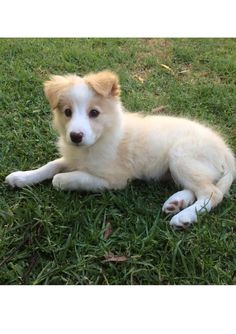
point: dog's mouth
(79, 145)
(76, 144)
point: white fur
(78, 181)
(178, 201)
(81, 96)
(189, 215)
(28, 178)
(119, 146)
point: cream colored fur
(118, 146)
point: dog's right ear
(52, 89)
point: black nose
(76, 137)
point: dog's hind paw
(178, 201)
(184, 219)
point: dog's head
(84, 108)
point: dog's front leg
(27, 178)
(77, 180)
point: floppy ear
(105, 83)
(52, 89)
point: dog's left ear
(105, 83)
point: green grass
(51, 237)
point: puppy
(102, 147)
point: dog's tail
(224, 183)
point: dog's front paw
(18, 179)
(60, 182)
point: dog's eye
(94, 113)
(68, 112)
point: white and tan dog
(102, 147)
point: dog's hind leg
(27, 178)
(200, 177)
(207, 198)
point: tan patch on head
(57, 85)
(105, 83)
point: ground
(116, 237)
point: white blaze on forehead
(81, 94)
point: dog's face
(84, 108)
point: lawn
(52, 237)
